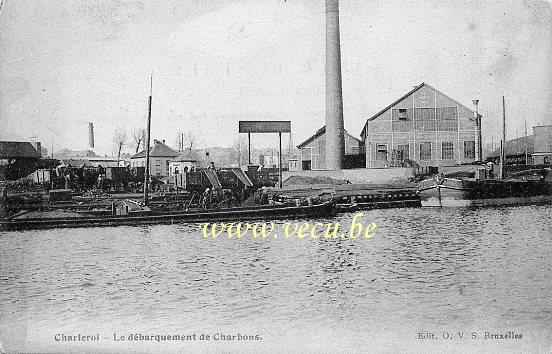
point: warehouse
(312, 154)
(423, 128)
(542, 154)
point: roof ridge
(416, 88)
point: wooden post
(3, 203)
(526, 148)
(503, 149)
(501, 169)
(249, 148)
(280, 159)
(147, 171)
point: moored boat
(141, 217)
(528, 187)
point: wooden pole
(526, 147)
(503, 149)
(147, 171)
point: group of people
(217, 198)
(86, 178)
(75, 178)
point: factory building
(423, 128)
(542, 153)
(160, 157)
(517, 151)
(312, 152)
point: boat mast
(147, 171)
(526, 147)
(503, 149)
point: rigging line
(536, 15)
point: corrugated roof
(516, 147)
(319, 133)
(158, 150)
(17, 149)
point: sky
(64, 63)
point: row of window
(425, 151)
(425, 126)
(443, 113)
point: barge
(68, 219)
(526, 187)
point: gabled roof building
(10, 150)
(312, 154)
(160, 157)
(425, 127)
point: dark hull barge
(468, 192)
(378, 200)
(355, 199)
(272, 212)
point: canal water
(425, 277)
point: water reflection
(424, 268)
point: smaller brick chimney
(38, 147)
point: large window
(469, 149)
(447, 113)
(381, 152)
(404, 151)
(400, 155)
(447, 150)
(425, 151)
(425, 113)
(322, 147)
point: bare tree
(119, 140)
(139, 136)
(240, 149)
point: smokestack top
(475, 102)
(332, 6)
(91, 134)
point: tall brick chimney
(91, 135)
(335, 140)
